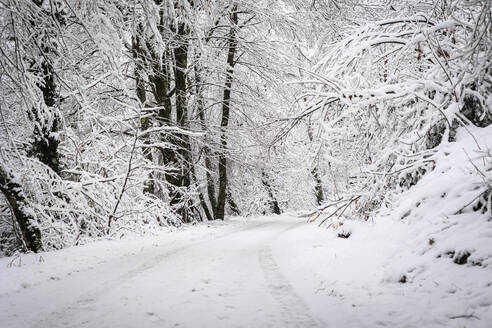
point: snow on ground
(354, 282)
(29, 270)
(265, 272)
(426, 261)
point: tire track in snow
(64, 316)
(295, 312)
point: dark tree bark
(161, 82)
(232, 204)
(206, 149)
(183, 142)
(18, 204)
(210, 181)
(203, 203)
(145, 123)
(265, 180)
(318, 183)
(45, 141)
(232, 45)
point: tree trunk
(318, 184)
(232, 42)
(206, 149)
(203, 203)
(181, 65)
(160, 81)
(232, 204)
(265, 180)
(17, 201)
(145, 123)
(45, 142)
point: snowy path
(266, 272)
(227, 280)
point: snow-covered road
(267, 272)
(226, 279)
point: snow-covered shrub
(392, 95)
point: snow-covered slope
(426, 259)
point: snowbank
(424, 262)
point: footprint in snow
(153, 316)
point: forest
(128, 119)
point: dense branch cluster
(123, 117)
(392, 94)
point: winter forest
(240, 163)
